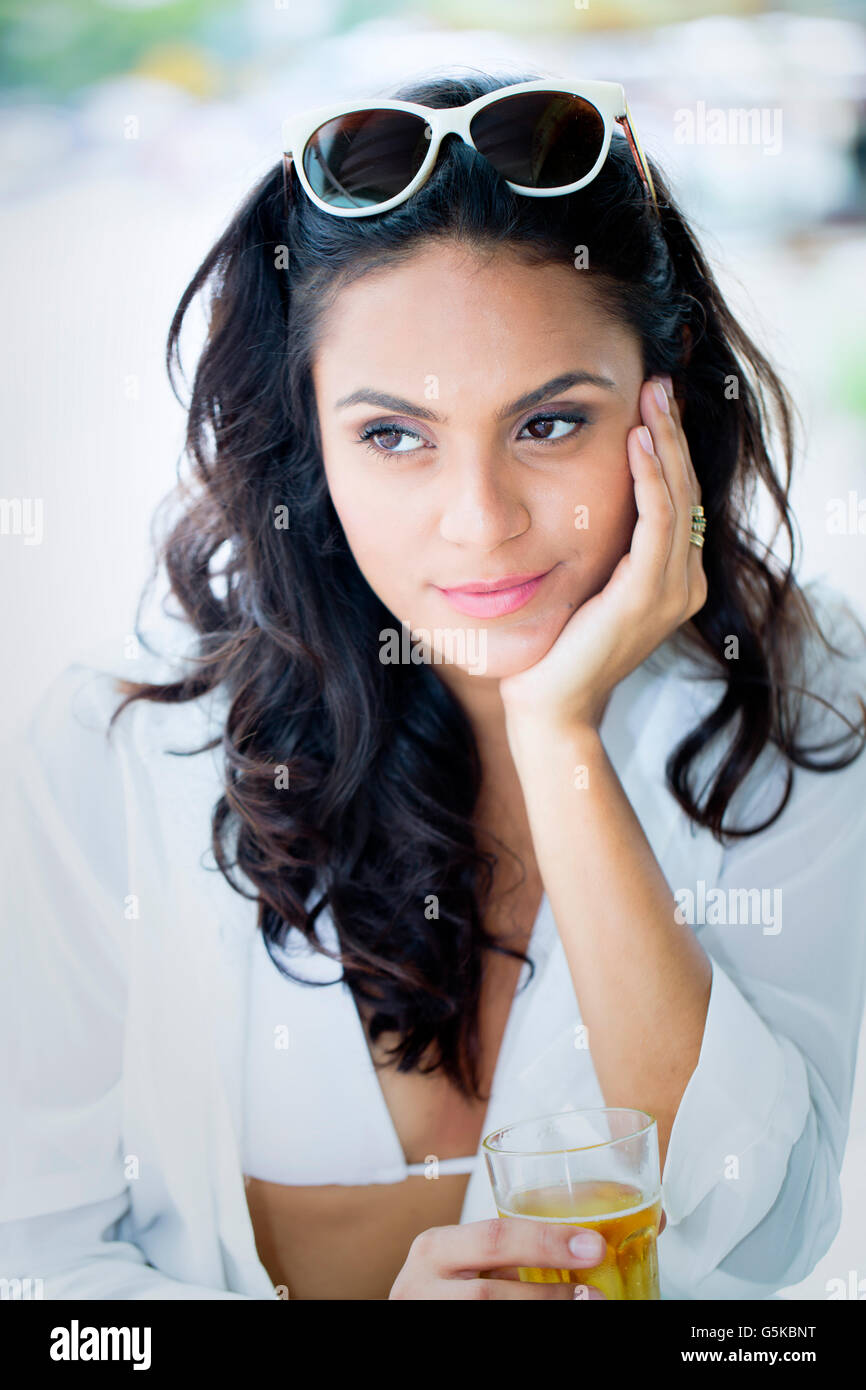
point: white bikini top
(313, 1110)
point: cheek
(376, 533)
(597, 518)
(356, 506)
(378, 548)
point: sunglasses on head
(544, 138)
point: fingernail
(645, 438)
(587, 1243)
(661, 396)
(668, 385)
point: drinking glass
(593, 1168)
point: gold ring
(698, 526)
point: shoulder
(75, 708)
(67, 751)
(832, 670)
(825, 697)
(827, 659)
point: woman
(486, 731)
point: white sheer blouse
(138, 1007)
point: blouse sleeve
(751, 1180)
(62, 1005)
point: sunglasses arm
(287, 169)
(643, 167)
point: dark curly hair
(384, 768)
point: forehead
(488, 316)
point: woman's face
(488, 455)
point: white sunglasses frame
(608, 98)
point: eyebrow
(366, 395)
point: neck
(501, 810)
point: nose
(482, 505)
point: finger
(662, 415)
(677, 417)
(512, 1272)
(507, 1241)
(685, 569)
(654, 532)
(695, 492)
(507, 1288)
(696, 574)
(656, 412)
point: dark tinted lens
(540, 139)
(365, 158)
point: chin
(508, 655)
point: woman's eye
(389, 433)
(552, 420)
(398, 439)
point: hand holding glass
(593, 1168)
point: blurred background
(131, 129)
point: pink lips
(496, 598)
